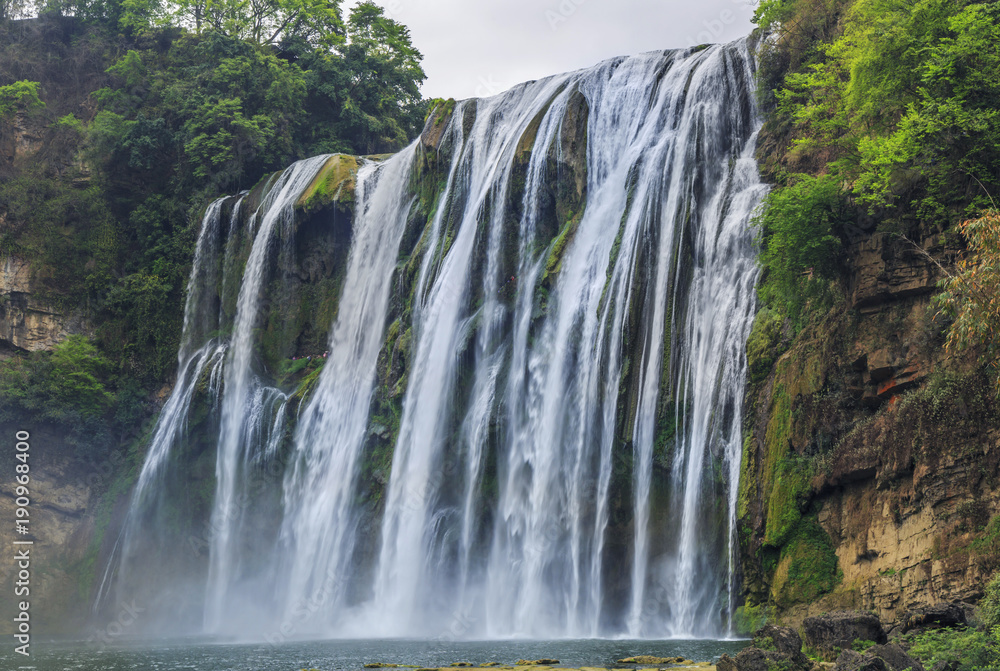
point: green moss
(553, 264)
(748, 618)
(808, 565)
(335, 183)
(762, 345)
(789, 492)
(440, 109)
(747, 479)
(776, 436)
(307, 386)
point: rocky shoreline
(637, 663)
(838, 641)
(849, 641)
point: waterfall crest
(529, 419)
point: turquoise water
(330, 655)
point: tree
(798, 226)
(972, 294)
(383, 79)
(17, 97)
(267, 22)
(11, 9)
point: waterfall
(242, 397)
(319, 523)
(569, 273)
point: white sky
(482, 47)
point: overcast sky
(482, 47)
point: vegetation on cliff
(135, 114)
(971, 296)
(881, 137)
(877, 111)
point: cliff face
(872, 461)
(27, 322)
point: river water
(346, 654)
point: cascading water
(571, 273)
(319, 522)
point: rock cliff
(872, 463)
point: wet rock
(536, 662)
(826, 633)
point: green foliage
(799, 246)
(900, 105)
(18, 97)
(967, 648)
(989, 606)
(970, 296)
(267, 22)
(860, 644)
(11, 9)
(68, 387)
(381, 74)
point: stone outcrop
(852, 661)
(937, 616)
(838, 631)
(894, 656)
(877, 658)
(773, 648)
(20, 138)
(27, 323)
(62, 521)
(889, 268)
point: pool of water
(341, 654)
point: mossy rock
(334, 184)
(762, 345)
(807, 568)
(790, 490)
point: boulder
(725, 663)
(757, 659)
(754, 659)
(894, 657)
(783, 640)
(936, 616)
(946, 665)
(832, 632)
(853, 661)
